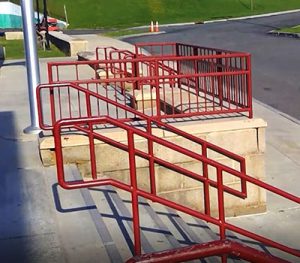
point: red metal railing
(156, 48)
(89, 126)
(215, 60)
(167, 87)
(102, 53)
(87, 96)
(86, 126)
(178, 49)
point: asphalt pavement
(275, 60)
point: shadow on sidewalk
(12, 63)
(27, 232)
(12, 219)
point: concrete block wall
(245, 137)
(69, 45)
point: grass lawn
(294, 29)
(124, 14)
(14, 50)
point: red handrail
(85, 125)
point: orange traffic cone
(156, 29)
(151, 29)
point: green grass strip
(14, 49)
(124, 14)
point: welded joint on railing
(213, 248)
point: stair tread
(109, 209)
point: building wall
(10, 15)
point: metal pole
(66, 15)
(32, 63)
(38, 14)
(46, 24)
(252, 5)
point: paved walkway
(36, 226)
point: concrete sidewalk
(32, 229)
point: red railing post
(52, 106)
(157, 88)
(135, 72)
(206, 182)
(220, 78)
(221, 206)
(151, 160)
(134, 194)
(196, 68)
(50, 73)
(249, 84)
(178, 64)
(92, 152)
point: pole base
(32, 130)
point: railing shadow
(123, 220)
(118, 214)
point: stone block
(174, 156)
(143, 178)
(144, 98)
(261, 138)
(255, 165)
(15, 35)
(77, 45)
(69, 45)
(76, 154)
(167, 180)
(85, 169)
(48, 157)
(239, 142)
(142, 175)
(220, 125)
(121, 175)
(234, 206)
(195, 167)
(192, 198)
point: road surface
(275, 60)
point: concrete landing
(95, 41)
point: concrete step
(161, 227)
(97, 223)
(79, 224)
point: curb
(141, 34)
(225, 19)
(278, 112)
(2, 56)
(2, 52)
(255, 16)
(284, 34)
